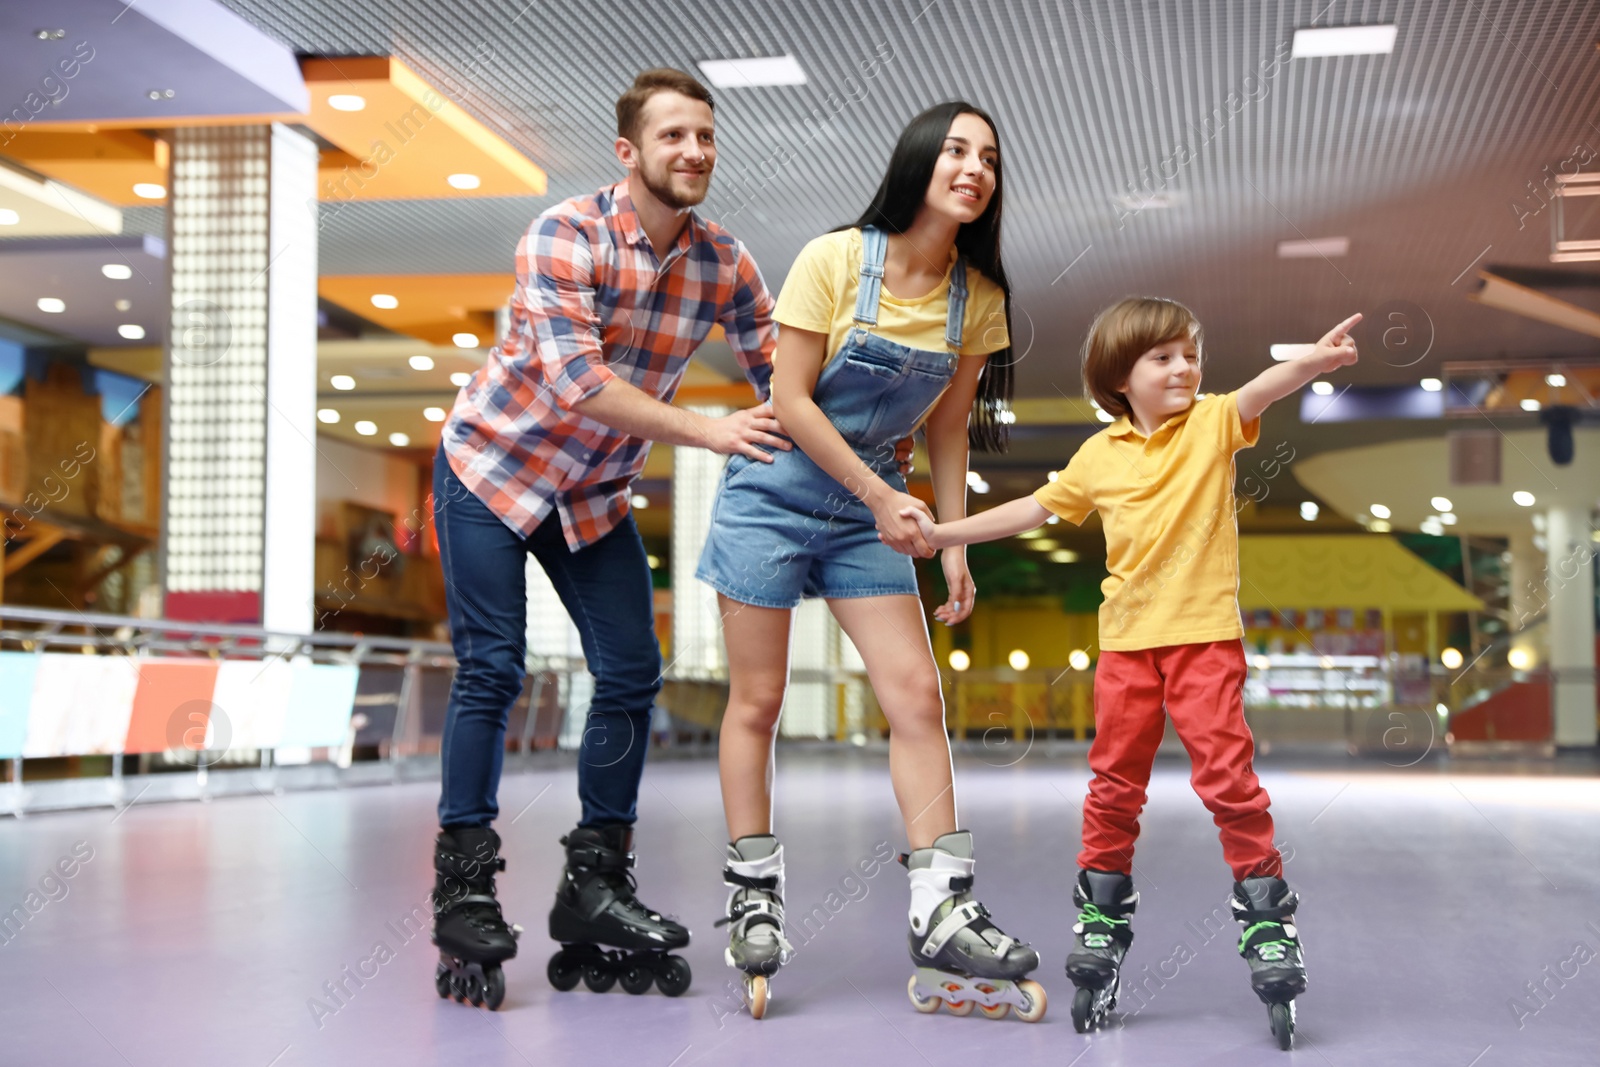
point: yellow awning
(1342, 570)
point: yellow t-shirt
(1172, 542)
(820, 295)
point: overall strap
(955, 314)
(874, 246)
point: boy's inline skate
(964, 960)
(1102, 935)
(1271, 945)
(756, 945)
(597, 905)
(472, 936)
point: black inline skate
(1271, 945)
(597, 905)
(1102, 935)
(472, 936)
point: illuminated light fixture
(465, 340)
(1530, 404)
(1431, 385)
(1018, 659)
(654, 561)
(9, 217)
(366, 428)
(1322, 388)
(1145, 201)
(1442, 504)
(1343, 41)
(123, 305)
(1078, 659)
(421, 362)
(150, 191)
(52, 305)
(1443, 710)
(1451, 658)
(1044, 544)
(1380, 526)
(1380, 511)
(1309, 510)
(1523, 498)
(1053, 476)
(640, 501)
(1063, 555)
(460, 378)
(1052, 520)
(342, 381)
(753, 72)
(131, 331)
(463, 181)
(1448, 518)
(1281, 353)
(975, 480)
(347, 102)
(959, 660)
(1317, 248)
(117, 272)
(327, 415)
(1104, 416)
(1555, 381)
(1008, 417)
(1029, 535)
(399, 440)
(1432, 526)
(384, 301)
(1520, 659)
(434, 414)
(1261, 663)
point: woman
(895, 322)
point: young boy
(1161, 476)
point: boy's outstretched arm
(1007, 520)
(1335, 350)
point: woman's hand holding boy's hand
(902, 521)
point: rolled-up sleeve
(555, 280)
(746, 321)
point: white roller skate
(964, 960)
(756, 945)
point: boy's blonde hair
(1121, 334)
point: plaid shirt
(593, 303)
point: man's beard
(660, 187)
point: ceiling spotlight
(117, 272)
(1104, 416)
(1451, 658)
(654, 561)
(1053, 476)
(1379, 511)
(150, 191)
(1018, 659)
(1431, 385)
(460, 378)
(1317, 248)
(52, 305)
(434, 414)
(1555, 381)
(1322, 388)
(1520, 659)
(1380, 526)
(399, 440)
(1309, 510)
(463, 181)
(1523, 498)
(640, 501)
(421, 362)
(1442, 504)
(1343, 41)
(384, 301)
(959, 660)
(342, 381)
(1432, 526)
(465, 340)
(347, 102)
(1530, 404)
(1078, 659)
(123, 305)
(366, 428)
(753, 72)
(9, 217)
(1448, 518)
(1063, 555)
(1294, 351)
(327, 415)
(131, 331)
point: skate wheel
(926, 1005)
(441, 982)
(636, 980)
(562, 974)
(999, 1011)
(960, 1007)
(494, 988)
(674, 976)
(1282, 1019)
(598, 978)
(1082, 1008)
(474, 991)
(1037, 1002)
(755, 994)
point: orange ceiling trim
(430, 307)
(106, 163)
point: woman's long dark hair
(894, 207)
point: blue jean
(605, 588)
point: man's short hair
(630, 105)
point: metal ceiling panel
(72, 270)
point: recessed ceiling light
(465, 340)
(342, 381)
(327, 415)
(1431, 385)
(1432, 526)
(1379, 511)
(1078, 660)
(347, 102)
(460, 378)
(1286, 352)
(1523, 498)
(1309, 510)
(1380, 526)
(1104, 416)
(150, 191)
(117, 272)
(1530, 405)
(464, 181)
(366, 428)
(52, 305)
(1343, 41)
(421, 362)
(9, 217)
(640, 501)
(1018, 659)
(1448, 518)
(1322, 388)
(399, 440)
(1320, 248)
(434, 414)
(161, 94)
(1063, 555)
(384, 301)
(122, 305)
(1442, 504)
(1145, 201)
(959, 659)
(1555, 381)
(753, 71)
(131, 331)
(1053, 476)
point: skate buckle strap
(748, 911)
(599, 859)
(959, 919)
(731, 877)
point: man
(615, 291)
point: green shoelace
(1090, 915)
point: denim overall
(786, 530)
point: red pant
(1202, 687)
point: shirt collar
(1124, 426)
(633, 230)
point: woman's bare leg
(757, 640)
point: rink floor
(211, 933)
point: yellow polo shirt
(1172, 542)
